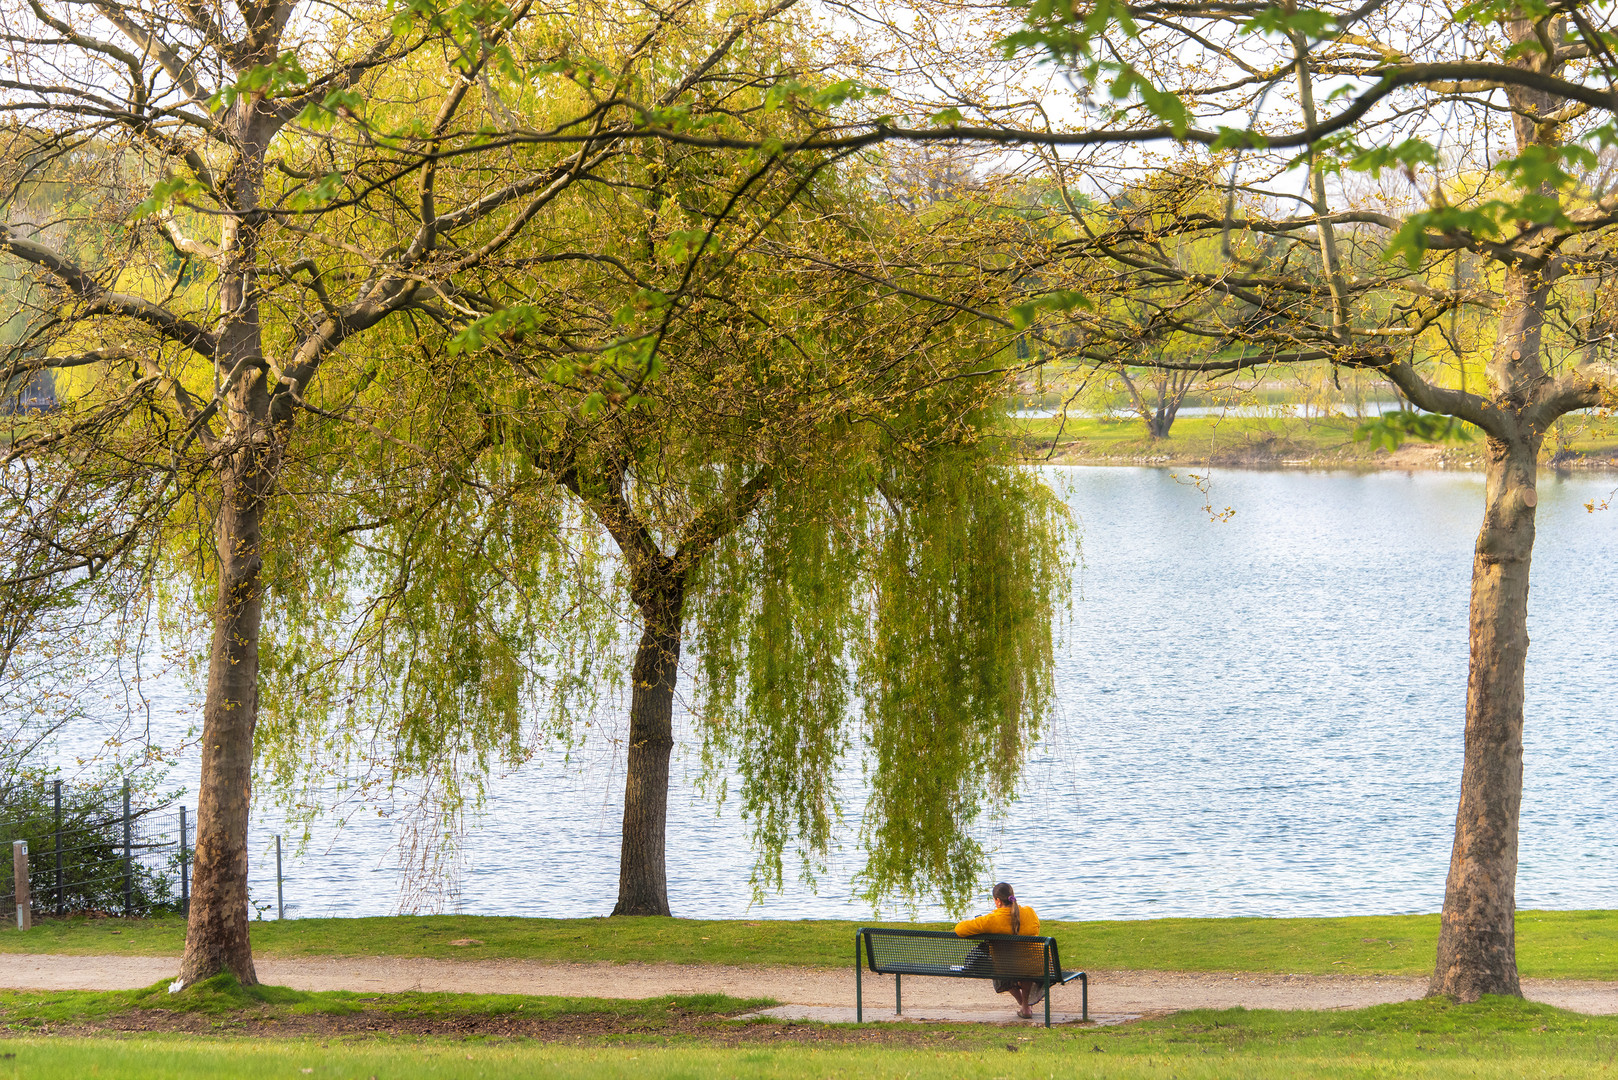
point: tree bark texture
(1477, 937)
(216, 937)
(1477, 950)
(642, 875)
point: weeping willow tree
(735, 399)
(432, 337)
(813, 492)
(813, 501)
(284, 200)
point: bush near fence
(92, 852)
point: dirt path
(1110, 991)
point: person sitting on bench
(1008, 917)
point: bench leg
(859, 997)
(897, 1005)
(1047, 1003)
(1084, 997)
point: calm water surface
(1256, 716)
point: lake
(1259, 715)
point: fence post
(185, 872)
(129, 902)
(58, 800)
(280, 901)
(19, 865)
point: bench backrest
(934, 952)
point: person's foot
(1026, 1013)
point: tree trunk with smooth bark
(1477, 939)
(1477, 951)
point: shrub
(92, 838)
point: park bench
(939, 952)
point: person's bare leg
(1020, 992)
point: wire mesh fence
(91, 851)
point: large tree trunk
(1477, 940)
(642, 876)
(216, 935)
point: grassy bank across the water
(1493, 1038)
(1550, 944)
(1269, 442)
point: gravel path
(1117, 992)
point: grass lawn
(1550, 944)
(224, 1000)
(1324, 441)
(1495, 1038)
(1197, 436)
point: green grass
(1550, 944)
(1200, 436)
(1495, 1038)
(1320, 440)
(223, 996)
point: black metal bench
(939, 952)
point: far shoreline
(1412, 457)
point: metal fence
(95, 852)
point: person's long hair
(1004, 895)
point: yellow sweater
(998, 921)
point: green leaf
(1022, 316)
(1411, 239)
(1230, 138)
(1393, 428)
(780, 93)
(1066, 35)
(1313, 25)
(1129, 82)
(165, 192)
(509, 323)
(679, 246)
(1547, 166)
(265, 81)
(321, 115)
(1489, 11)
(324, 191)
(822, 99)
(1407, 154)
(840, 92)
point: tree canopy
(480, 311)
(1387, 169)
(413, 333)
